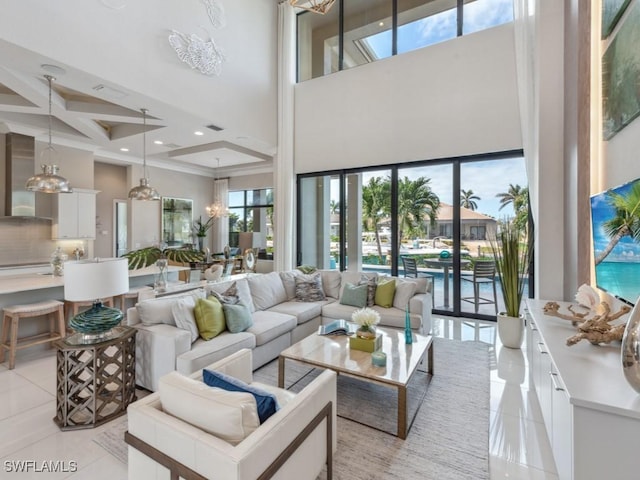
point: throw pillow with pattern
(370, 282)
(229, 296)
(309, 288)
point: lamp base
(96, 322)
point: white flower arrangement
(365, 317)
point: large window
(251, 219)
(442, 213)
(356, 32)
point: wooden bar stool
(132, 294)
(11, 319)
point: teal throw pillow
(238, 317)
(354, 295)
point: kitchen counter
(25, 282)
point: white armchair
(295, 442)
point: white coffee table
(333, 352)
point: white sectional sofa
(279, 320)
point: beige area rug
(449, 438)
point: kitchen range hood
(19, 167)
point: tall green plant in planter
(512, 254)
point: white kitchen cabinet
(74, 215)
(591, 414)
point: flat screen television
(615, 219)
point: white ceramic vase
(511, 330)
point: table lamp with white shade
(94, 280)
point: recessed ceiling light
(381, 24)
(158, 142)
(123, 149)
(198, 133)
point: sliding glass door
(442, 214)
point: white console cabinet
(591, 414)
(74, 215)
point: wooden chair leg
(13, 346)
(62, 326)
(5, 335)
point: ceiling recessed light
(198, 133)
(123, 149)
(381, 24)
(158, 142)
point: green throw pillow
(385, 292)
(354, 295)
(209, 317)
(238, 317)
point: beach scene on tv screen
(615, 216)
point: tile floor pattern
(518, 445)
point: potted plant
(511, 253)
(200, 230)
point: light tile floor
(518, 445)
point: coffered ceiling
(194, 123)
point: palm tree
(376, 198)
(468, 198)
(334, 207)
(415, 200)
(518, 197)
(626, 222)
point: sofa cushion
(265, 401)
(289, 282)
(209, 317)
(405, 289)
(231, 416)
(242, 291)
(331, 281)
(204, 353)
(238, 317)
(309, 288)
(303, 311)
(267, 290)
(385, 291)
(354, 295)
(184, 317)
(268, 325)
(159, 310)
(338, 311)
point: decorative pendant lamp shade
(144, 191)
(316, 6)
(49, 181)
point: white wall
(455, 98)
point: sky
(627, 250)
(485, 178)
(477, 15)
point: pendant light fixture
(316, 6)
(144, 191)
(217, 209)
(49, 181)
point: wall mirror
(177, 218)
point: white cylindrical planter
(511, 330)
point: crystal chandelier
(49, 181)
(144, 191)
(217, 209)
(316, 6)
